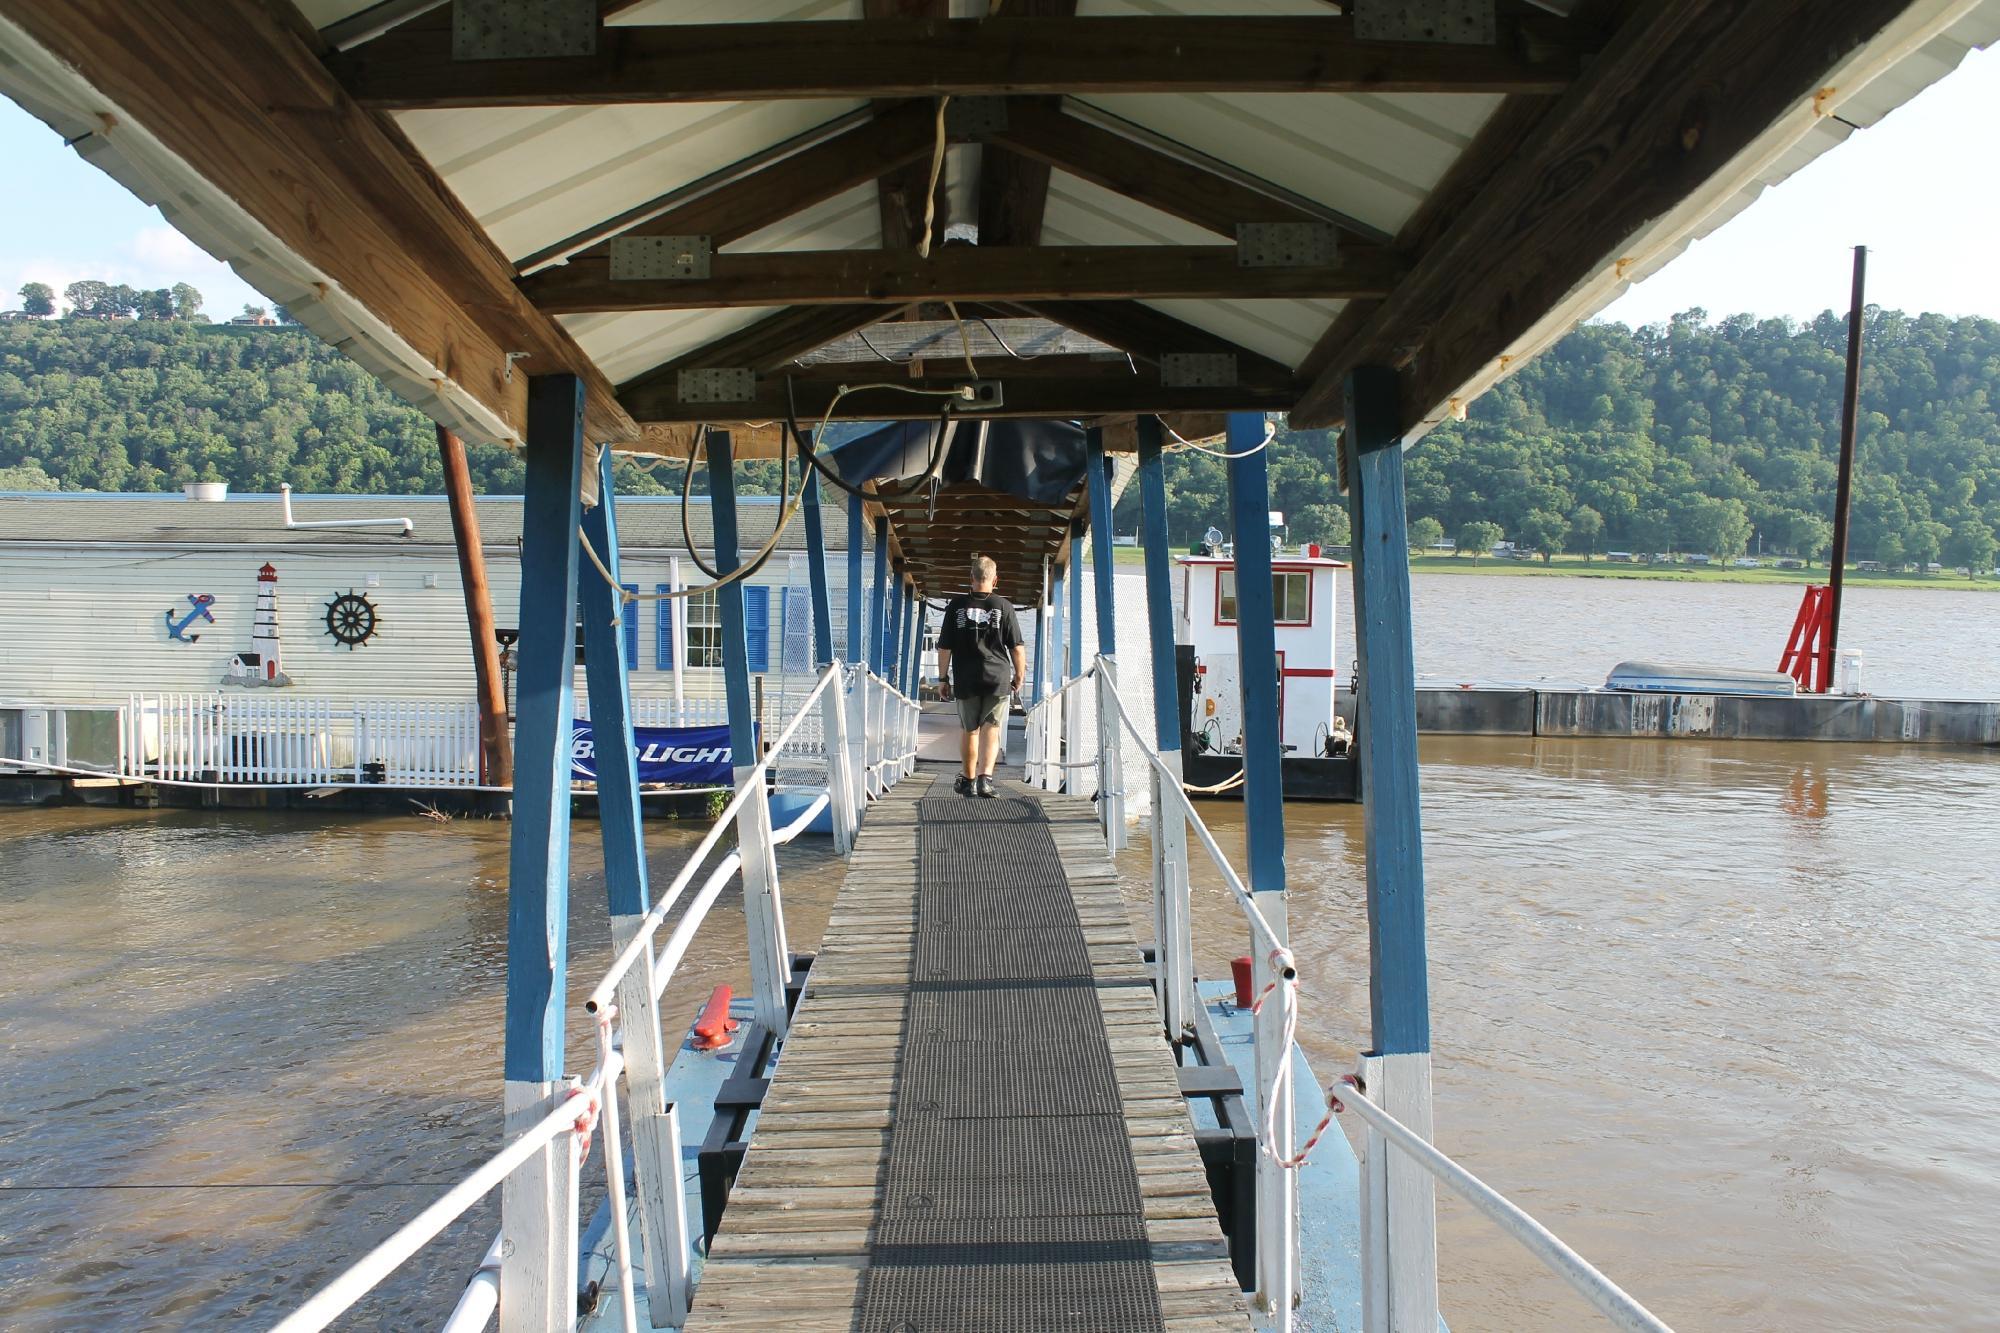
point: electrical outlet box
(985, 397)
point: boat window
(704, 630)
(1291, 597)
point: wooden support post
(1399, 1249)
(892, 648)
(878, 606)
(1073, 715)
(1110, 805)
(857, 545)
(1263, 810)
(1172, 923)
(538, 1202)
(655, 1141)
(816, 573)
(763, 908)
(496, 744)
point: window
(704, 630)
(1291, 597)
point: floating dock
(974, 1122)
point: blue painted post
(538, 1202)
(892, 652)
(816, 572)
(1257, 652)
(1100, 540)
(878, 642)
(1264, 820)
(762, 909)
(1110, 735)
(913, 661)
(1076, 603)
(857, 543)
(655, 1131)
(1172, 922)
(1398, 1200)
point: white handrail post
(1032, 761)
(1172, 922)
(763, 910)
(913, 714)
(855, 701)
(1052, 736)
(1111, 790)
(839, 782)
(1277, 1184)
(656, 1143)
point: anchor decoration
(262, 666)
(177, 629)
(351, 619)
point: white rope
(1230, 783)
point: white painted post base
(1111, 758)
(656, 1144)
(1277, 1188)
(857, 744)
(1053, 757)
(1173, 938)
(839, 773)
(538, 1222)
(763, 911)
(1398, 1204)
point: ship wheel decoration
(351, 619)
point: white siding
(88, 624)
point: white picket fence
(287, 739)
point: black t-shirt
(980, 632)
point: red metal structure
(1808, 655)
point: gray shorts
(982, 710)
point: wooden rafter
(1147, 334)
(411, 68)
(1676, 95)
(1013, 188)
(964, 273)
(899, 191)
(236, 91)
(1040, 131)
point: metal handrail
(337, 1296)
(753, 781)
(1274, 1125)
(1610, 1299)
(599, 1088)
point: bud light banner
(694, 755)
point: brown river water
(1721, 1015)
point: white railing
(1275, 1027)
(298, 740)
(625, 1006)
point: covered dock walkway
(975, 1123)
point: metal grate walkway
(975, 1124)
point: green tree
(1544, 532)
(38, 299)
(87, 296)
(1720, 528)
(187, 302)
(1972, 545)
(1425, 533)
(1323, 523)
(156, 304)
(1586, 531)
(1923, 542)
(1477, 538)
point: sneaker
(985, 785)
(962, 785)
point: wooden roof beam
(1677, 94)
(232, 93)
(1041, 396)
(964, 273)
(411, 68)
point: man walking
(981, 663)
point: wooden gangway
(803, 1238)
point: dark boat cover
(1041, 462)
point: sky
(1917, 189)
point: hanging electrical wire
(1183, 445)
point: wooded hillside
(1696, 435)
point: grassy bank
(1576, 567)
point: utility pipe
(291, 524)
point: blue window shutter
(630, 612)
(663, 632)
(757, 615)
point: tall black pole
(1850, 403)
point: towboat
(1319, 760)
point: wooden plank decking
(794, 1243)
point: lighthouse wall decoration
(263, 665)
